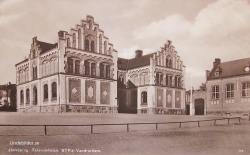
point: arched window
(170, 63)
(100, 43)
(45, 92)
(79, 39)
(92, 46)
(93, 69)
(86, 64)
(54, 90)
(21, 98)
(74, 40)
(87, 45)
(77, 67)
(70, 65)
(68, 42)
(144, 97)
(102, 72)
(34, 95)
(107, 71)
(27, 96)
(167, 62)
(105, 47)
(109, 51)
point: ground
(224, 138)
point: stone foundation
(70, 109)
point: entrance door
(199, 106)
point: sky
(200, 30)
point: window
(170, 63)
(27, 96)
(159, 78)
(35, 72)
(215, 92)
(176, 81)
(86, 64)
(144, 97)
(68, 42)
(74, 40)
(70, 65)
(21, 97)
(100, 43)
(101, 70)
(87, 45)
(45, 92)
(167, 62)
(167, 80)
(246, 89)
(107, 71)
(79, 39)
(105, 47)
(170, 80)
(92, 46)
(230, 90)
(93, 69)
(54, 90)
(34, 95)
(77, 67)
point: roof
(46, 46)
(124, 64)
(231, 68)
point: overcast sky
(200, 30)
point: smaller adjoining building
(227, 89)
(8, 97)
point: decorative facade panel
(177, 99)
(74, 90)
(90, 91)
(105, 93)
(168, 98)
(159, 97)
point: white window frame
(245, 89)
(215, 92)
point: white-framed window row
(230, 93)
(245, 91)
(215, 94)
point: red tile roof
(230, 69)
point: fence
(129, 124)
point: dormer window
(216, 73)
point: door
(199, 106)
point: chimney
(216, 62)
(61, 34)
(138, 53)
